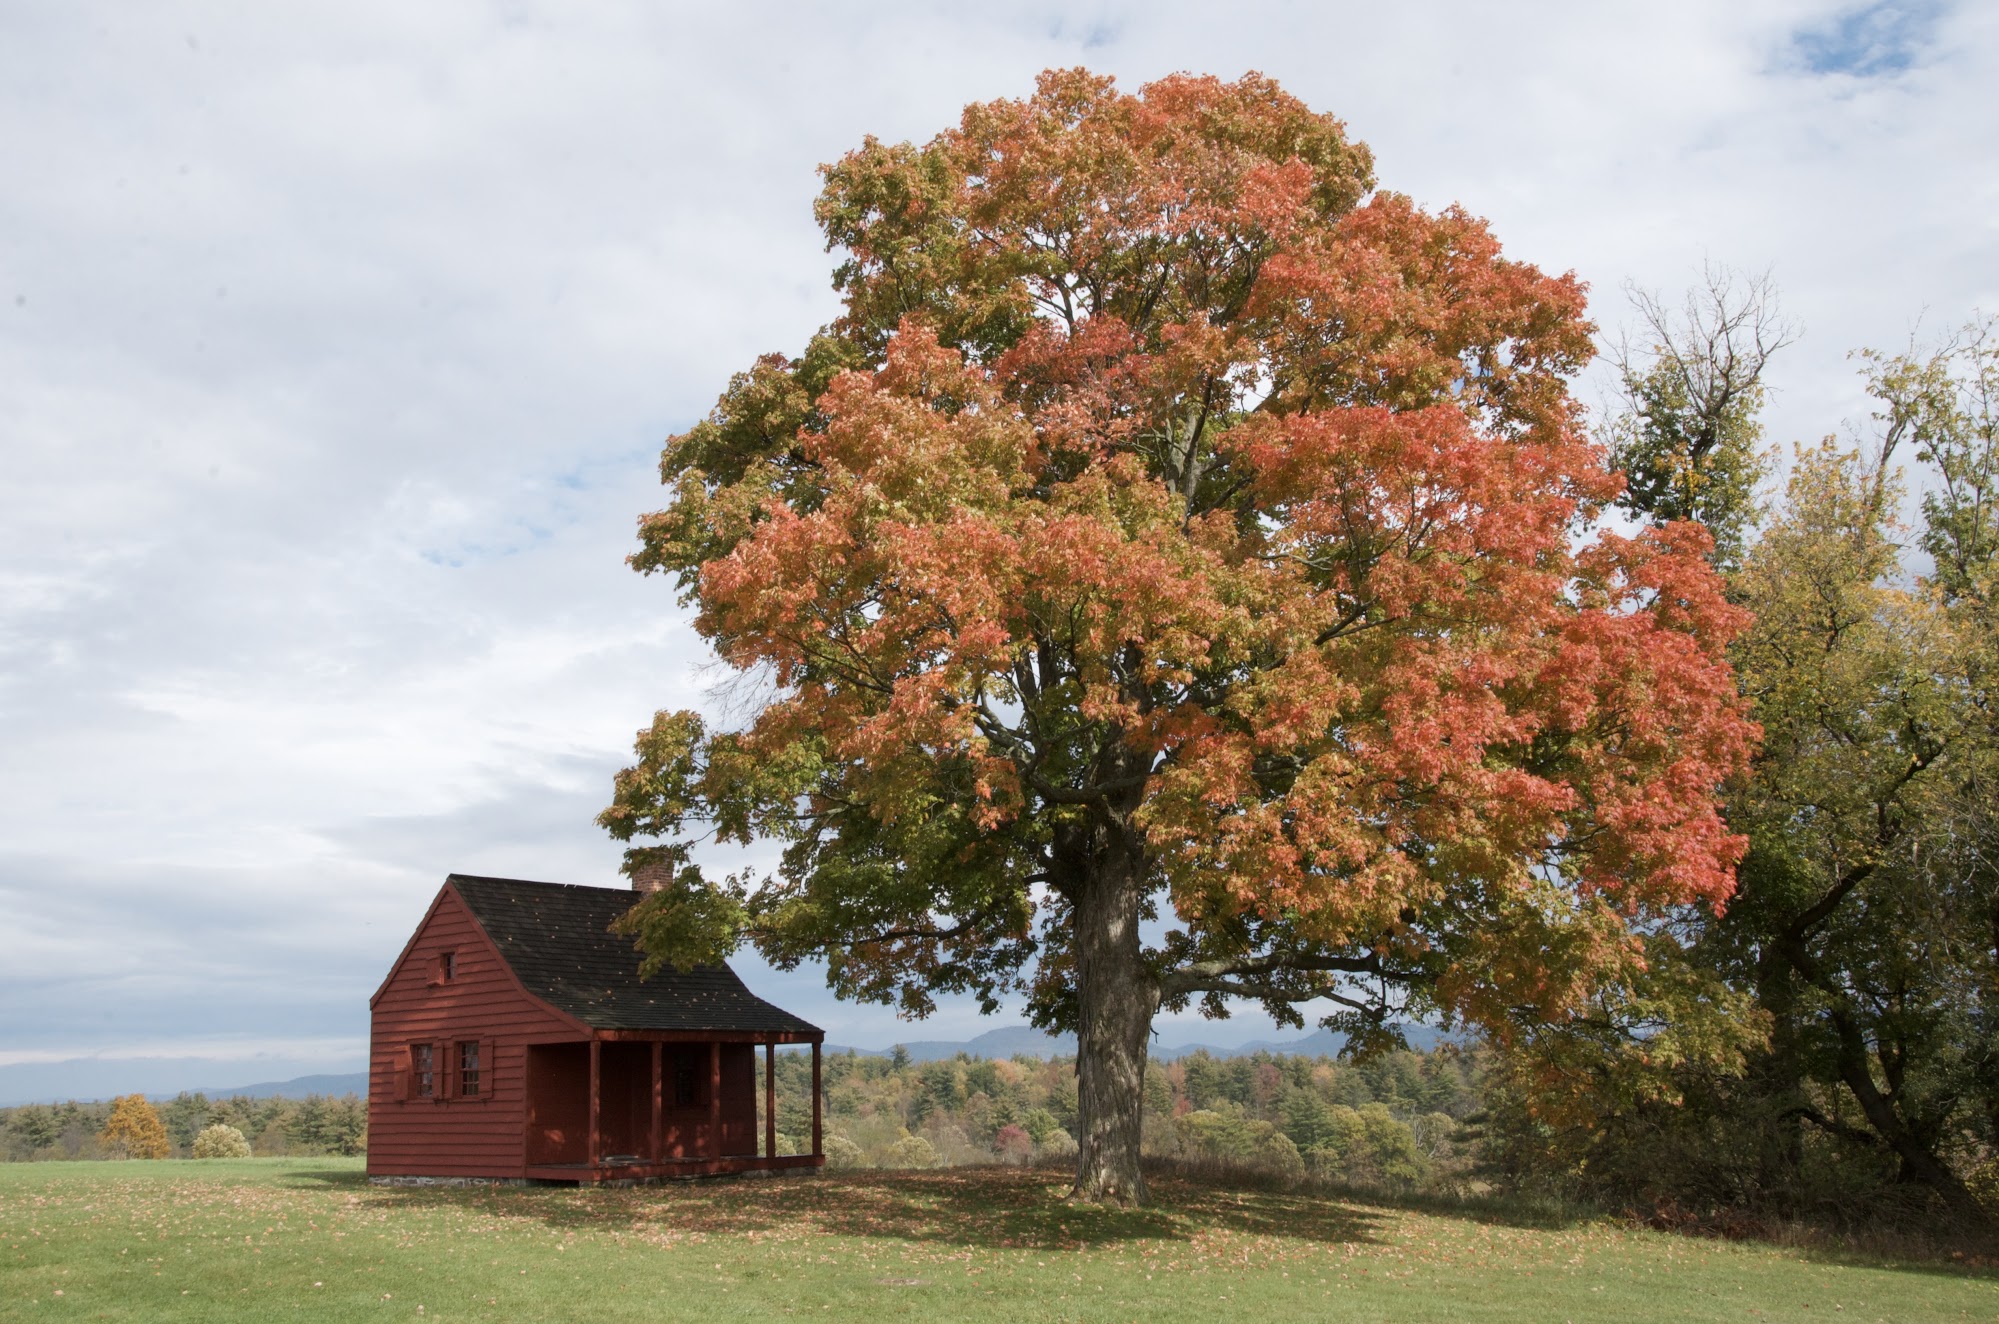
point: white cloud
(210, 1051)
(336, 347)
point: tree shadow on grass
(355, 1179)
(1024, 1209)
(976, 1207)
(1939, 1249)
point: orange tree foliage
(134, 1129)
(1173, 578)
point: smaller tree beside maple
(1685, 436)
(1870, 897)
(1855, 968)
(134, 1130)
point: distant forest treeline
(1399, 1120)
(1402, 1120)
(318, 1124)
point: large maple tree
(1171, 579)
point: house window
(447, 967)
(685, 1091)
(423, 1071)
(468, 1068)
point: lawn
(263, 1239)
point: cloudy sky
(337, 347)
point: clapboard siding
(453, 1137)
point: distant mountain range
(1007, 1041)
(353, 1082)
(1025, 1041)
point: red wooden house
(514, 1038)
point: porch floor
(588, 1174)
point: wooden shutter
(405, 1076)
(447, 1069)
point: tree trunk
(1920, 1164)
(1115, 1000)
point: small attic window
(447, 968)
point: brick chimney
(653, 875)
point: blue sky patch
(1871, 41)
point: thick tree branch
(1851, 1134)
(1262, 992)
(1232, 975)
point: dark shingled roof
(557, 939)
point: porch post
(818, 1151)
(715, 1099)
(596, 1098)
(658, 1098)
(770, 1099)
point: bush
(1369, 1147)
(1203, 1134)
(912, 1152)
(952, 1144)
(1013, 1145)
(1227, 1137)
(1039, 1124)
(843, 1153)
(1057, 1145)
(221, 1141)
(1277, 1155)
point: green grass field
(309, 1239)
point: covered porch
(638, 1105)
